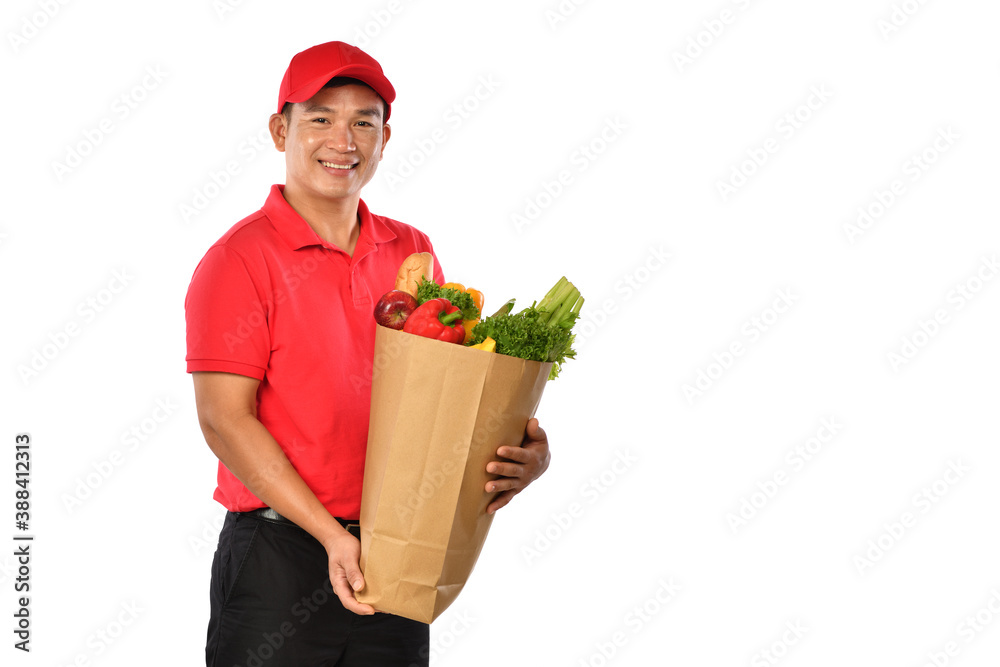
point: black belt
(353, 527)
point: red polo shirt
(273, 301)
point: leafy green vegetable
(543, 332)
(428, 289)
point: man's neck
(335, 221)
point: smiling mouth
(334, 165)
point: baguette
(414, 268)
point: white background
(648, 481)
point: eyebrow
(371, 112)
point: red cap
(311, 69)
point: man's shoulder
(251, 230)
(242, 244)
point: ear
(386, 133)
(278, 127)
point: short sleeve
(227, 317)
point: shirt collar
(297, 233)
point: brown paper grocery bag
(439, 411)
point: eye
(320, 120)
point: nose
(341, 138)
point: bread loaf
(414, 268)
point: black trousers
(273, 606)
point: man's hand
(227, 410)
(525, 464)
(345, 572)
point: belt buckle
(270, 514)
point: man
(280, 330)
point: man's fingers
(346, 576)
(507, 484)
(514, 454)
(351, 604)
(345, 591)
(504, 469)
(534, 431)
(525, 463)
(500, 501)
(352, 573)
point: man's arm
(227, 412)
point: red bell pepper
(437, 319)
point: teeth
(331, 165)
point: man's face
(332, 143)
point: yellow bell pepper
(477, 300)
(489, 345)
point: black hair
(337, 82)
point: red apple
(394, 307)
